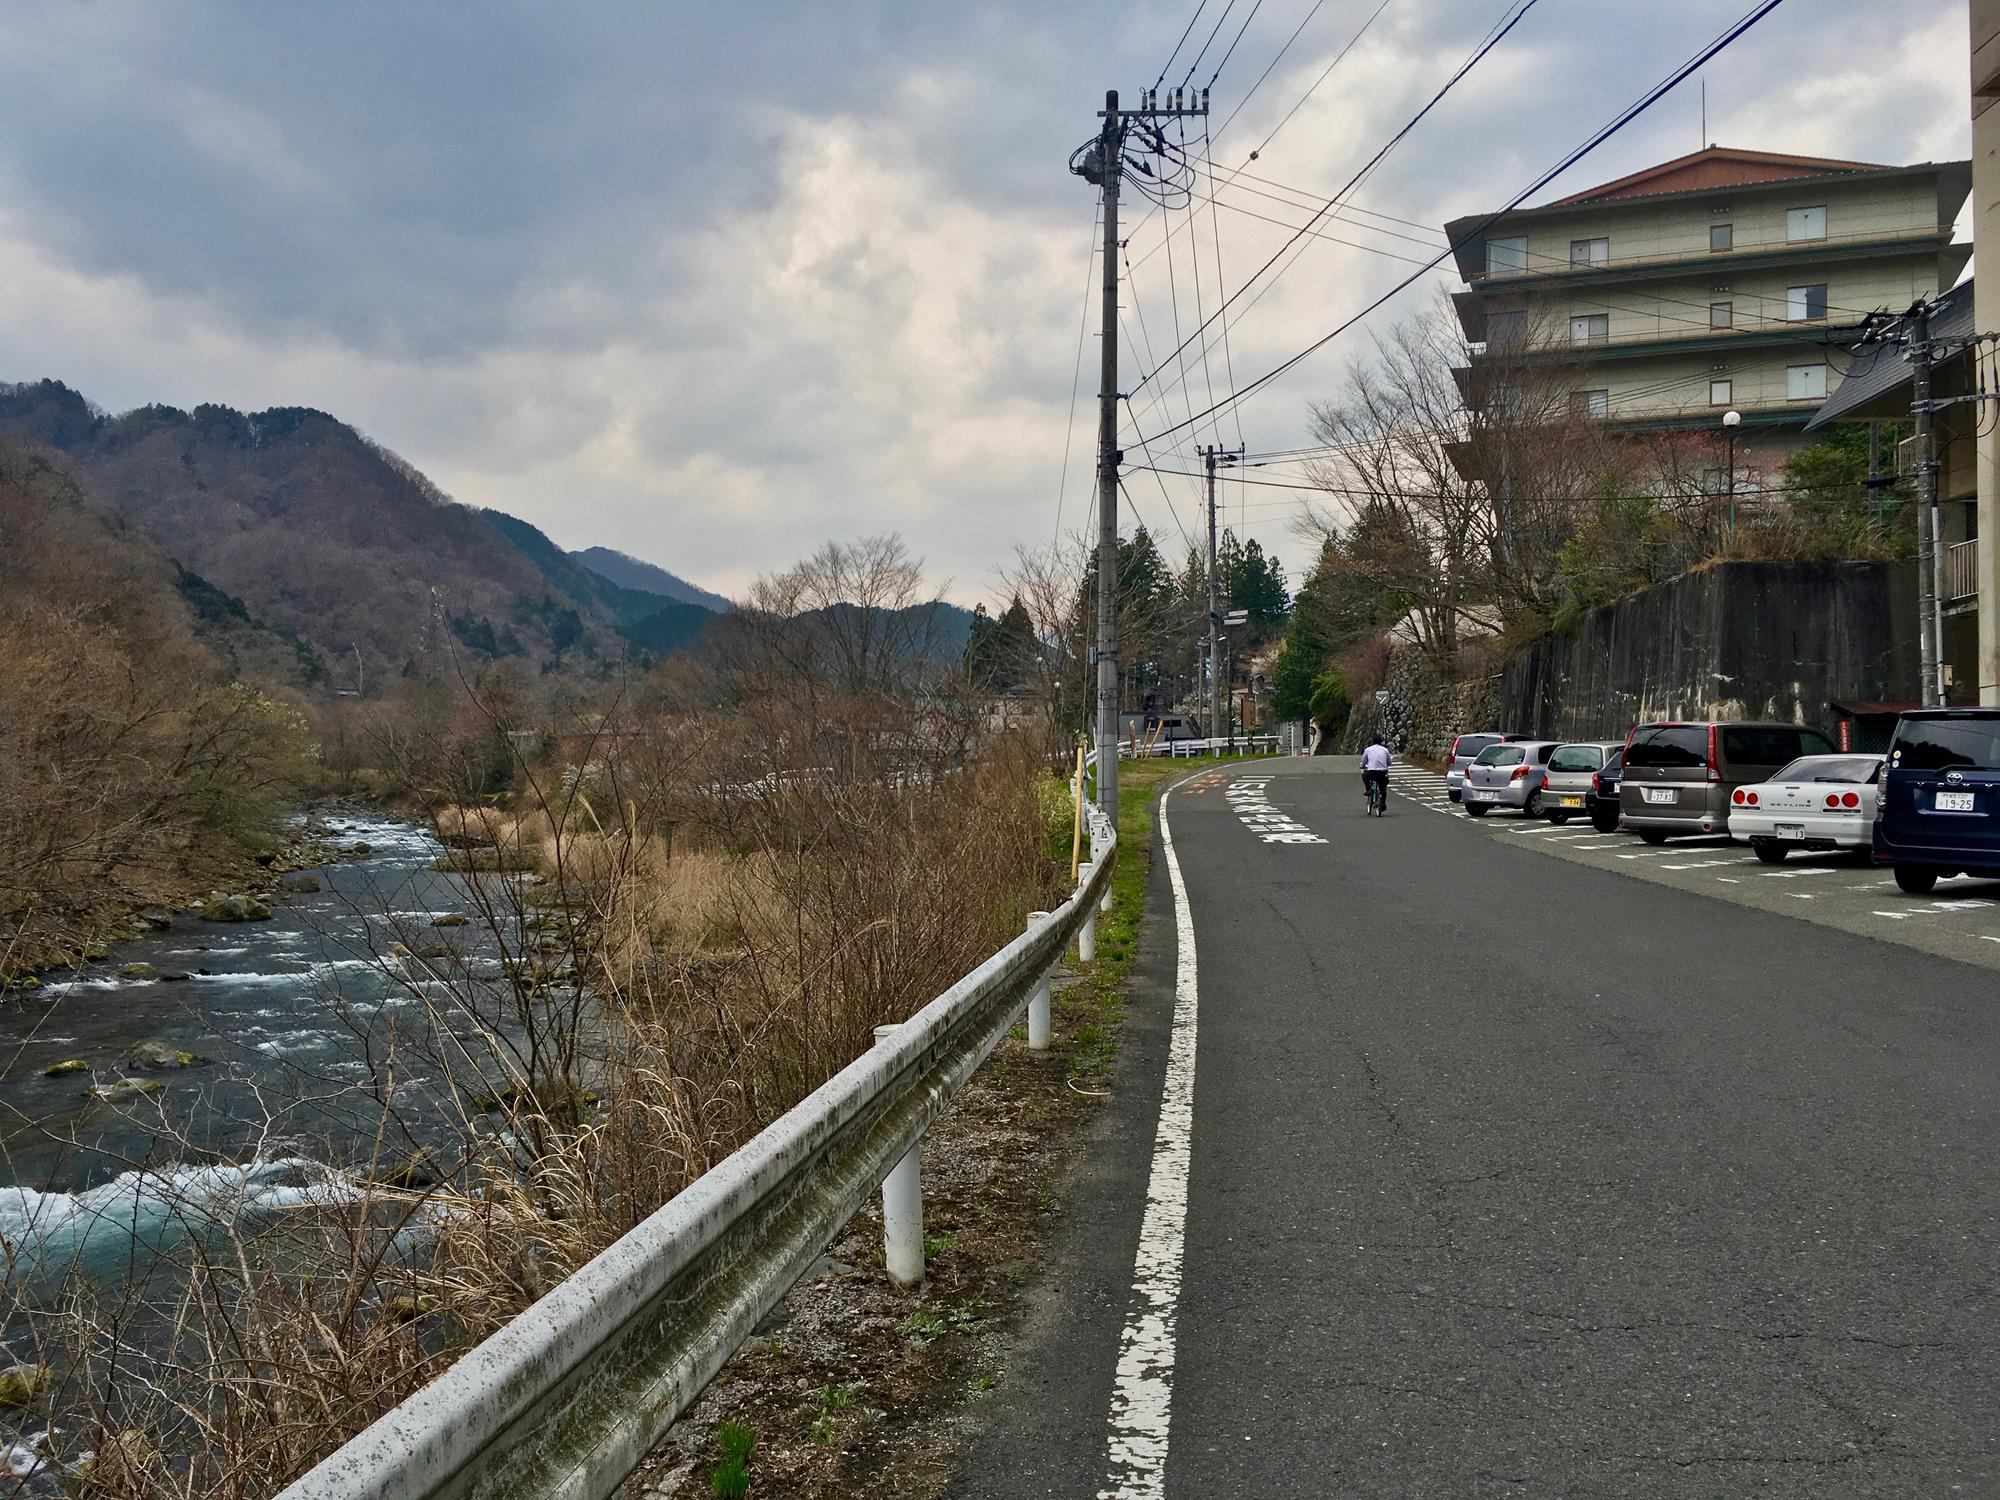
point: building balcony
(1862, 245)
(1961, 577)
(1750, 334)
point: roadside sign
(1381, 695)
(1236, 617)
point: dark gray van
(1679, 774)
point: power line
(1185, 34)
(1632, 112)
(1076, 373)
(1257, 6)
(1467, 66)
(1273, 63)
(1220, 21)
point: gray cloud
(712, 283)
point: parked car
(1571, 771)
(1817, 802)
(1465, 750)
(1938, 812)
(1601, 801)
(1679, 777)
(1509, 775)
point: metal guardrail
(571, 1396)
(1961, 571)
(1243, 744)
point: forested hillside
(132, 759)
(303, 523)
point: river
(292, 1019)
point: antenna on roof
(1704, 111)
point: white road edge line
(1142, 1392)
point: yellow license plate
(1572, 802)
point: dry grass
(681, 973)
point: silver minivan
(1566, 789)
(1509, 775)
(1679, 776)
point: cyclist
(1375, 772)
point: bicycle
(1375, 788)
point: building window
(1722, 236)
(1509, 254)
(1590, 328)
(1806, 223)
(1805, 383)
(1714, 481)
(1590, 403)
(1721, 314)
(1506, 329)
(1590, 252)
(1719, 392)
(1805, 303)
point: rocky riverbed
(232, 1056)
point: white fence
(1254, 744)
(568, 1398)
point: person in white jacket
(1375, 769)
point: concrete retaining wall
(1734, 641)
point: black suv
(1938, 811)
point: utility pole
(1212, 456)
(1930, 645)
(1110, 145)
(1101, 162)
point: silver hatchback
(1566, 788)
(1510, 775)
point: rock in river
(23, 1385)
(161, 1055)
(235, 909)
(125, 1088)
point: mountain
(294, 521)
(629, 572)
(63, 553)
(655, 623)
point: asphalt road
(1512, 1174)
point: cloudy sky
(715, 283)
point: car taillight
(1714, 766)
(1751, 798)
(1520, 773)
(1833, 799)
(1737, 796)
(1850, 799)
(1452, 759)
(1597, 783)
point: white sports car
(1816, 802)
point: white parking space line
(1706, 864)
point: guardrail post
(903, 1208)
(1038, 999)
(1086, 937)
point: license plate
(1660, 794)
(1954, 802)
(1572, 802)
(1478, 796)
(1789, 830)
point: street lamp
(1731, 420)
